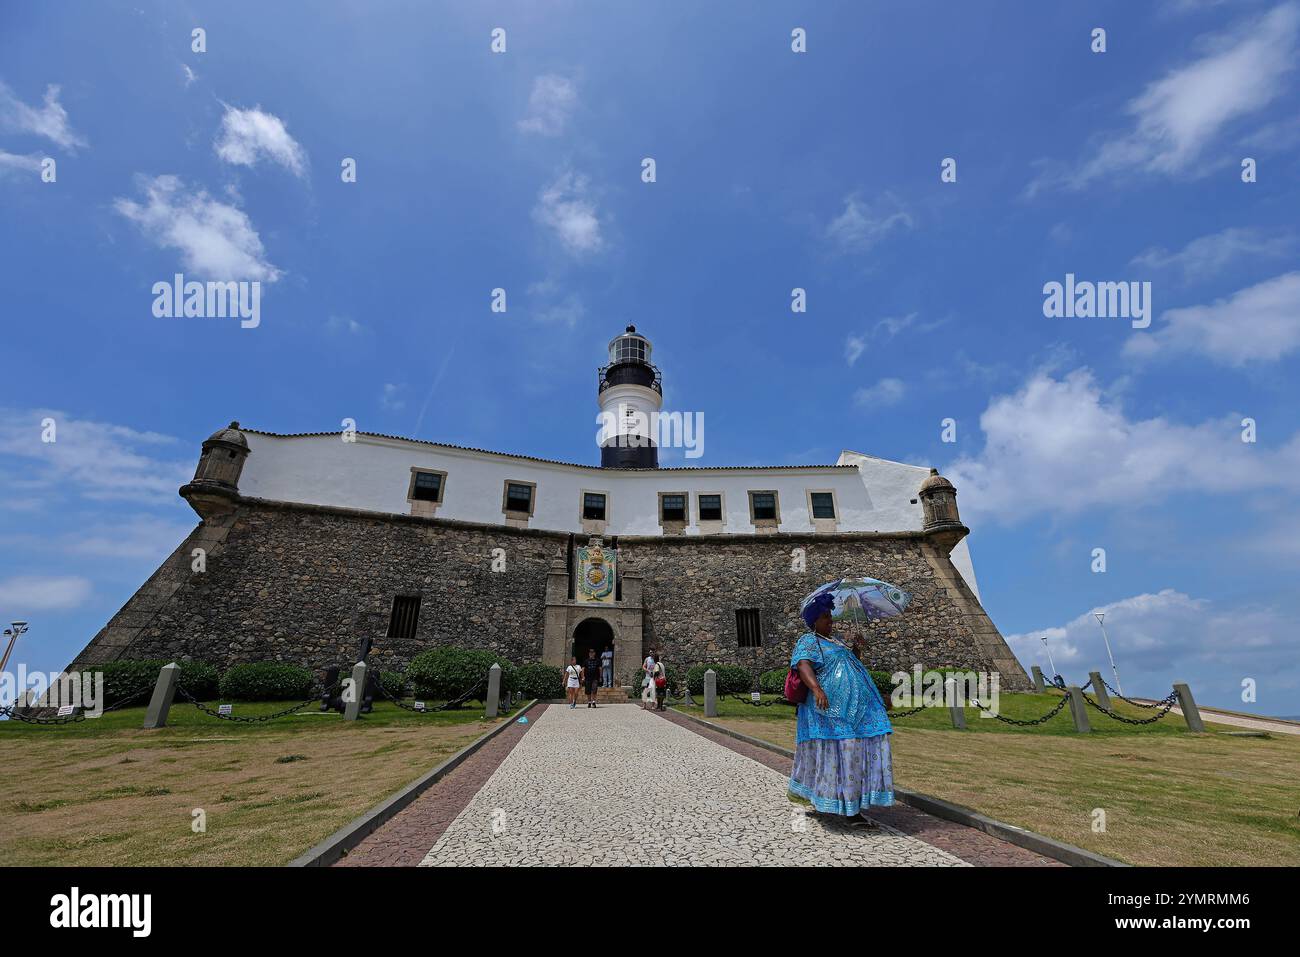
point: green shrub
(732, 679)
(125, 678)
(446, 673)
(540, 681)
(884, 683)
(773, 682)
(393, 683)
(266, 681)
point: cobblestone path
(619, 786)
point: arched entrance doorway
(591, 633)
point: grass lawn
(1170, 797)
(105, 792)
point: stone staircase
(615, 695)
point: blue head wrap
(817, 607)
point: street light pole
(1119, 688)
(1049, 658)
(18, 628)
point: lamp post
(12, 632)
(1119, 688)
(1049, 658)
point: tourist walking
(659, 678)
(648, 681)
(572, 676)
(607, 667)
(590, 675)
(842, 762)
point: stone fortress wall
(304, 583)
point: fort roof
(533, 458)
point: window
(672, 508)
(710, 508)
(593, 506)
(749, 628)
(405, 616)
(426, 491)
(519, 497)
(823, 504)
(428, 487)
(762, 506)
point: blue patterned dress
(842, 762)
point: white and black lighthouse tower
(631, 395)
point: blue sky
(775, 170)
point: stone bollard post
(710, 694)
(956, 703)
(1040, 683)
(164, 691)
(493, 702)
(1099, 689)
(1078, 709)
(1191, 713)
(352, 707)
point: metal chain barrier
(1136, 704)
(470, 695)
(748, 699)
(255, 719)
(1024, 724)
(78, 714)
(1164, 705)
(895, 715)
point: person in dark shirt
(590, 676)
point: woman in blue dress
(841, 759)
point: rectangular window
(593, 506)
(405, 616)
(710, 508)
(519, 498)
(673, 508)
(823, 504)
(428, 487)
(749, 628)
(763, 505)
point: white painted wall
(374, 474)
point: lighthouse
(630, 396)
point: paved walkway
(619, 786)
(1238, 720)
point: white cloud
(190, 75)
(550, 105)
(1176, 117)
(248, 136)
(1257, 324)
(884, 392)
(391, 398)
(1059, 446)
(569, 311)
(91, 459)
(50, 120)
(134, 537)
(27, 593)
(1169, 636)
(861, 225)
(568, 209)
(14, 163)
(888, 327)
(340, 325)
(1207, 256)
(854, 346)
(216, 240)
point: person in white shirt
(648, 684)
(572, 679)
(607, 667)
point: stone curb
(1030, 840)
(354, 832)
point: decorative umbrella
(859, 600)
